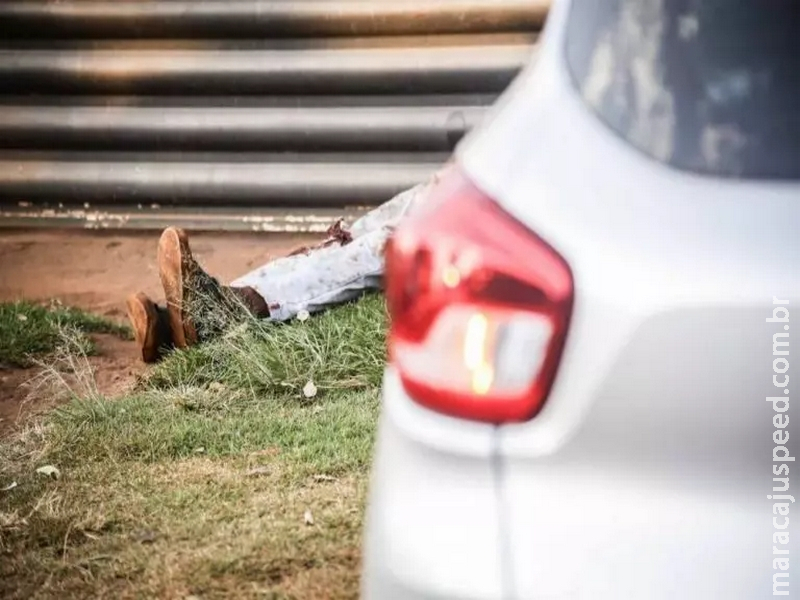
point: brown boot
(150, 325)
(199, 307)
(175, 267)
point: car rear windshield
(704, 85)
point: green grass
(28, 331)
(198, 481)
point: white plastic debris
(308, 518)
(50, 471)
(302, 315)
(309, 390)
(22, 317)
(9, 487)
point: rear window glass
(704, 85)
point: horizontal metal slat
(308, 180)
(280, 102)
(435, 128)
(102, 156)
(147, 217)
(464, 68)
(263, 18)
(282, 44)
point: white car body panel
(646, 473)
(433, 520)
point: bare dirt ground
(96, 271)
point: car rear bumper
(432, 523)
(448, 526)
(583, 531)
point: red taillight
(479, 306)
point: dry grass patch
(202, 527)
(212, 479)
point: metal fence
(240, 114)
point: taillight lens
(479, 305)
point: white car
(588, 388)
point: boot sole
(143, 317)
(173, 257)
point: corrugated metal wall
(239, 114)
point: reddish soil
(96, 271)
(115, 368)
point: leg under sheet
(335, 273)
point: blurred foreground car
(575, 401)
